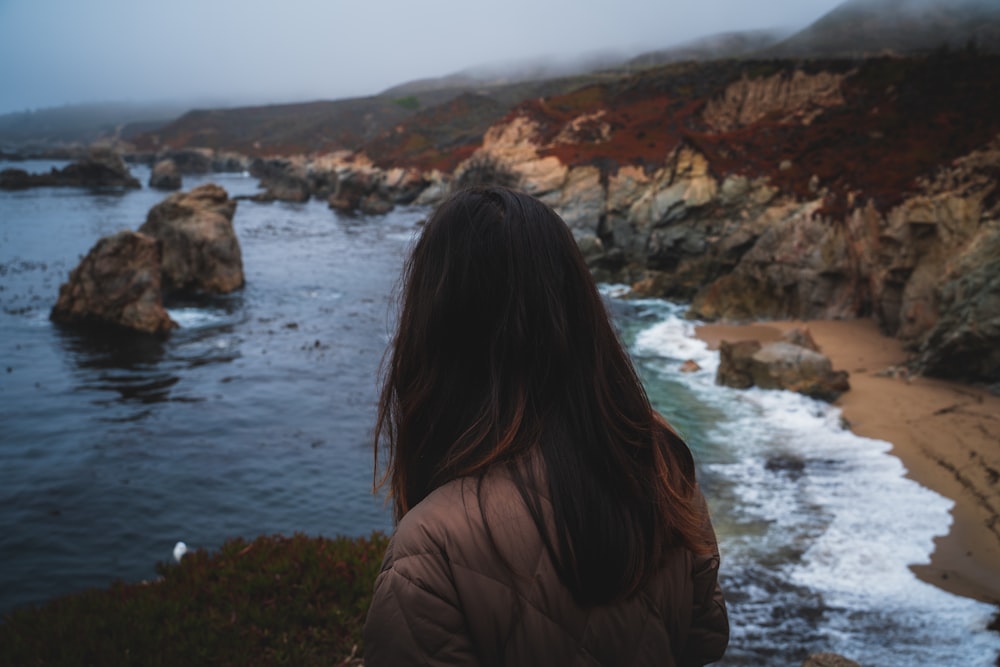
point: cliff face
(824, 190)
(751, 189)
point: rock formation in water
(101, 168)
(118, 284)
(165, 176)
(287, 180)
(187, 244)
(200, 249)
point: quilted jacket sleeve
(414, 617)
(709, 633)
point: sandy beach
(946, 434)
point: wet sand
(947, 435)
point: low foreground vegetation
(273, 601)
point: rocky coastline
(862, 191)
(679, 198)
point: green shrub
(273, 601)
(410, 102)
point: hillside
(410, 127)
(855, 29)
(83, 124)
(860, 28)
(865, 130)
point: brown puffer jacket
(447, 596)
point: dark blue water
(255, 418)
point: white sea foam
(838, 505)
(614, 290)
(194, 318)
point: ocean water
(255, 418)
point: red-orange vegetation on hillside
(439, 137)
(277, 130)
(901, 119)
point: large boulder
(735, 363)
(118, 284)
(165, 176)
(200, 249)
(780, 365)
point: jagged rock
(375, 204)
(684, 183)
(799, 97)
(190, 160)
(436, 190)
(117, 283)
(779, 365)
(200, 248)
(403, 186)
(580, 201)
(283, 180)
(690, 366)
(353, 189)
(101, 168)
(230, 162)
(735, 367)
(165, 176)
(802, 337)
(828, 660)
(964, 342)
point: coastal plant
(410, 102)
(272, 601)
(485, 169)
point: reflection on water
(144, 368)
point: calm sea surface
(255, 418)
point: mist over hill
(859, 28)
(856, 28)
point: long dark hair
(504, 348)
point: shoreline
(947, 435)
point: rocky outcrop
(793, 97)
(793, 366)
(200, 249)
(99, 169)
(118, 284)
(190, 160)
(186, 244)
(165, 176)
(287, 180)
(740, 248)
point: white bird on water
(179, 550)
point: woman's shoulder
(465, 520)
(437, 520)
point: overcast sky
(55, 52)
